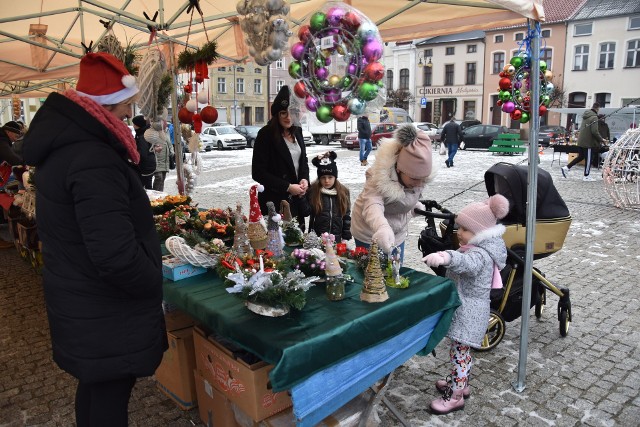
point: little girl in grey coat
(475, 268)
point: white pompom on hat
(105, 79)
(479, 216)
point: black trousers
(585, 154)
(104, 404)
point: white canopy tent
(41, 46)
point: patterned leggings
(460, 356)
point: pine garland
(206, 53)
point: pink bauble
(508, 107)
(322, 73)
(297, 50)
(311, 103)
(334, 16)
(333, 95)
(352, 68)
(372, 51)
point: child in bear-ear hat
(330, 200)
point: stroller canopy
(511, 181)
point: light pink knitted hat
(479, 216)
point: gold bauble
(548, 75)
(334, 80)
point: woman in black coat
(102, 271)
(280, 161)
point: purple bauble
(297, 50)
(517, 84)
(352, 68)
(333, 95)
(334, 16)
(508, 107)
(311, 103)
(372, 51)
(322, 73)
(327, 61)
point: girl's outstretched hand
(437, 258)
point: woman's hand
(296, 190)
(304, 184)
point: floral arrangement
(271, 288)
(165, 204)
(230, 263)
(215, 223)
(292, 234)
(311, 262)
(176, 221)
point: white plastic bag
(443, 149)
(462, 145)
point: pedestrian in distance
(364, 139)
(589, 141)
(163, 152)
(475, 268)
(102, 274)
(147, 165)
(330, 200)
(451, 136)
(393, 186)
(280, 161)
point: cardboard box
(242, 380)
(174, 376)
(215, 409)
(178, 319)
(175, 269)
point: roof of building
(451, 38)
(555, 11)
(606, 8)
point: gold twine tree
(241, 244)
(373, 288)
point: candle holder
(335, 288)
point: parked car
(221, 137)
(379, 130)
(249, 132)
(429, 128)
(463, 125)
(482, 136)
(551, 134)
(307, 136)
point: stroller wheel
(565, 321)
(495, 331)
(542, 301)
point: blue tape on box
(176, 269)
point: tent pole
(532, 187)
(177, 133)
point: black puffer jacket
(103, 272)
(329, 219)
(147, 165)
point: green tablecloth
(324, 332)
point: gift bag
(443, 150)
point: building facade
(449, 83)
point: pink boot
(452, 400)
(441, 386)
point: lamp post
(422, 64)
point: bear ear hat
(316, 160)
(331, 154)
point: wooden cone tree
(374, 288)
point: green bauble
(543, 66)
(545, 99)
(504, 95)
(319, 62)
(346, 81)
(294, 69)
(516, 61)
(318, 21)
(380, 84)
(524, 118)
(323, 113)
(368, 91)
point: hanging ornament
(209, 114)
(264, 24)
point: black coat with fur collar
(103, 272)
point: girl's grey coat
(473, 273)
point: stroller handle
(448, 215)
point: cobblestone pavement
(590, 377)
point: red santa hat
(255, 215)
(105, 79)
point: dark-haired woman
(280, 160)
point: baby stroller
(552, 224)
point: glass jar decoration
(335, 288)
